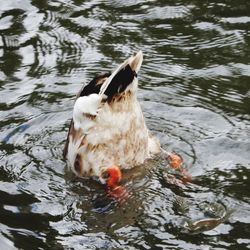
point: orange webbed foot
(115, 190)
(175, 160)
(177, 163)
(114, 176)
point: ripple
(28, 54)
(167, 12)
(194, 91)
(122, 4)
(12, 5)
(241, 69)
(220, 42)
(11, 41)
(93, 23)
(6, 22)
(238, 20)
(50, 20)
(211, 72)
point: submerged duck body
(108, 127)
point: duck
(108, 132)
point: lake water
(194, 88)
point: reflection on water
(194, 90)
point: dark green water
(195, 93)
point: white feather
(85, 106)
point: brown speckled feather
(110, 129)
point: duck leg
(115, 190)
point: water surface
(194, 91)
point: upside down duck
(108, 131)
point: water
(195, 94)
